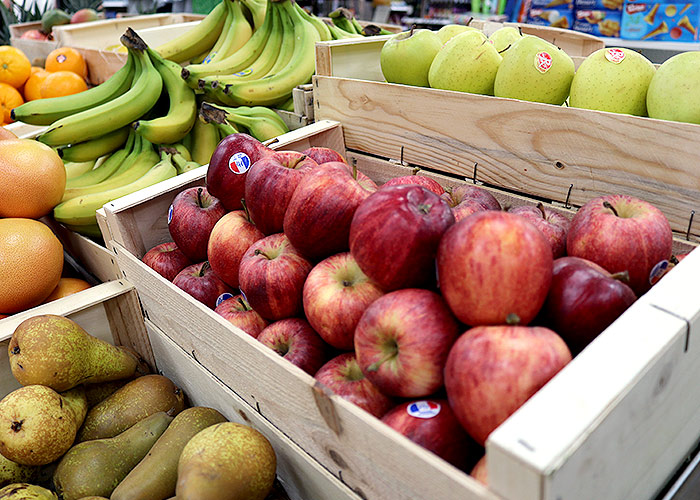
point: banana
(106, 169)
(182, 112)
(287, 105)
(238, 34)
(205, 138)
(262, 123)
(182, 165)
(197, 40)
(358, 29)
(258, 9)
(181, 150)
(114, 114)
(74, 169)
(91, 230)
(94, 148)
(341, 17)
(219, 41)
(320, 26)
(47, 111)
(187, 141)
(339, 34)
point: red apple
(231, 237)
(229, 165)
(433, 425)
(466, 208)
(343, 376)
(583, 300)
(402, 341)
(494, 267)
(418, 180)
(191, 217)
(318, 216)
(323, 155)
(201, 283)
(34, 35)
(270, 184)
(239, 313)
(297, 342)
(554, 226)
(166, 259)
(336, 293)
(621, 233)
(469, 193)
(272, 275)
(492, 370)
(395, 233)
(83, 16)
(480, 472)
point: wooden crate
(35, 50)
(111, 311)
(561, 427)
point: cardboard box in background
(599, 4)
(554, 18)
(598, 22)
(552, 4)
(672, 22)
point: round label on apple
(615, 55)
(222, 297)
(423, 409)
(239, 163)
(658, 271)
(543, 62)
(243, 295)
(170, 214)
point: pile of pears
(526, 67)
(89, 422)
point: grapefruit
(67, 286)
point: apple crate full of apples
(625, 395)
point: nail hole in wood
(559, 165)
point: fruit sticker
(61, 58)
(245, 72)
(543, 62)
(615, 55)
(658, 271)
(239, 163)
(170, 214)
(222, 297)
(423, 409)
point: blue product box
(599, 4)
(669, 22)
(554, 18)
(552, 4)
(598, 22)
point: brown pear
(38, 425)
(24, 491)
(135, 401)
(12, 472)
(56, 352)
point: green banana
(74, 169)
(261, 125)
(106, 169)
(258, 9)
(320, 26)
(339, 34)
(187, 141)
(47, 111)
(182, 150)
(287, 105)
(183, 165)
(374, 30)
(341, 17)
(239, 32)
(182, 112)
(94, 148)
(358, 29)
(205, 138)
(197, 40)
(91, 230)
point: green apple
(535, 70)
(448, 31)
(467, 63)
(504, 37)
(406, 57)
(674, 91)
(613, 79)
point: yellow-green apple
(343, 376)
(450, 30)
(674, 89)
(323, 155)
(317, 220)
(494, 267)
(480, 472)
(402, 341)
(432, 424)
(467, 199)
(166, 259)
(553, 225)
(395, 234)
(336, 293)
(229, 166)
(270, 184)
(419, 180)
(482, 396)
(191, 218)
(406, 57)
(231, 237)
(272, 275)
(202, 283)
(239, 313)
(621, 233)
(297, 342)
(503, 38)
(583, 300)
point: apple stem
(245, 209)
(260, 252)
(502, 51)
(622, 276)
(388, 356)
(346, 283)
(199, 196)
(354, 170)
(607, 205)
(299, 161)
(541, 207)
(415, 171)
(413, 27)
(425, 208)
(203, 269)
(246, 307)
(512, 319)
(674, 260)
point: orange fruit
(31, 262)
(67, 286)
(36, 69)
(10, 98)
(61, 83)
(32, 89)
(6, 134)
(66, 59)
(15, 68)
(32, 179)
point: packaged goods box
(677, 22)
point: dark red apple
(231, 237)
(191, 217)
(470, 192)
(553, 225)
(166, 259)
(480, 472)
(395, 233)
(468, 207)
(583, 300)
(494, 267)
(418, 180)
(492, 370)
(336, 293)
(201, 283)
(297, 342)
(621, 233)
(229, 166)
(239, 313)
(318, 216)
(402, 341)
(323, 155)
(343, 376)
(272, 275)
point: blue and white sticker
(423, 409)
(170, 214)
(222, 297)
(658, 271)
(245, 72)
(243, 295)
(239, 163)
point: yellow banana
(94, 148)
(238, 34)
(183, 165)
(258, 9)
(106, 169)
(205, 138)
(320, 26)
(261, 122)
(219, 41)
(286, 105)
(74, 169)
(197, 40)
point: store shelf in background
(656, 52)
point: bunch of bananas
(344, 25)
(260, 122)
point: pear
(93, 497)
(12, 472)
(467, 63)
(448, 31)
(504, 37)
(97, 467)
(674, 91)
(406, 57)
(56, 352)
(614, 80)
(24, 491)
(226, 461)
(155, 477)
(135, 401)
(38, 425)
(535, 70)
